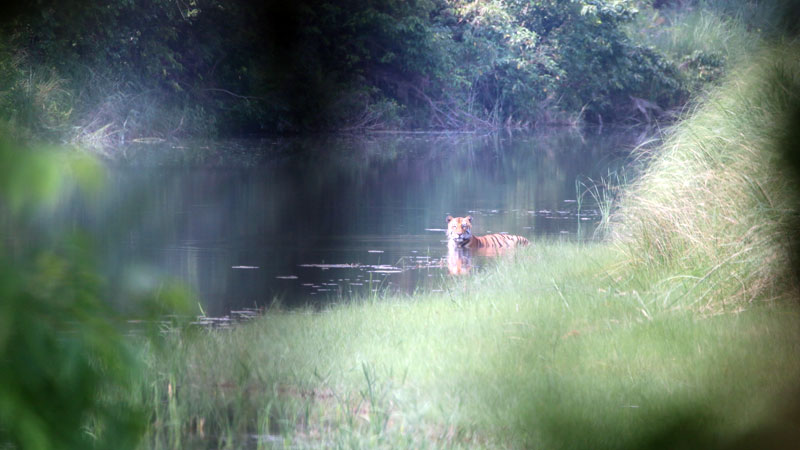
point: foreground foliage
(64, 364)
(57, 344)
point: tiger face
(459, 231)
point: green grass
(682, 32)
(731, 29)
(714, 204)
(706, 39)
(551, 349)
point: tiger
(459, 235)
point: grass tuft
(714, 202)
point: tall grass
(730, 29)
(714, 202)
(90, 109)
(111, 112)
(683, 32)
(32, 100)
(706, 38)
(553, 348)
(773, 18)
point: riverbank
(557, 347)
(717, 201)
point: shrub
(66, 370)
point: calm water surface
(310, 220)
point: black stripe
(498, 240)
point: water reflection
(245, 222)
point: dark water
(310, 220)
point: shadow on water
(311, 220)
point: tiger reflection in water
(461, 243)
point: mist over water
(244, 222)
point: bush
(66, 370)
(525, 60)
(142, 69)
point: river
(317, 219)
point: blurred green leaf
(66, 369)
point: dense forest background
(102, 72)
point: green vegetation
(680, 332)
(555, 348)
(104, 73)
(101, 74)
(56, 345)
(59, 342)
(715, 203)
(705, 38)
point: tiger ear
(449, 218)
(469, 218)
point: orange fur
(459, 234)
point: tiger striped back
(497, 240)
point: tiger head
(459, 230)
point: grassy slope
(548, 349)
(715, 204)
